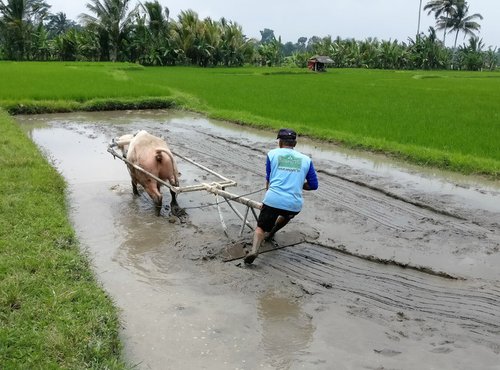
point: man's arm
(268, 169)
(311, 179)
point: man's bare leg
(280, 223)
(258, 237)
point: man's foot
(250, 258)
(251, 255)
(269, 237)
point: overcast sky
(291, 19)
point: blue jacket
(286, 171)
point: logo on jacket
(289, 163)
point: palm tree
(112, 20)
(235, 49)
(471, 55)
(427, 52)
(149, 42)
(441, 8)
(18, 21)
(460, 20)
(158, 19)
(185, 35)
(59, 24)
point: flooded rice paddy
(388, 266)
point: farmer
(288, 172)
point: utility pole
(419, 14)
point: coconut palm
(471, 55)
(112, 20)
(235, 49)
(194, 39)
(149, 42)
(18, 22)
(59, 24)
(491, 58)
(184, 33)
(441, 8)
(459, 20)
(208, 44)
(157, 16)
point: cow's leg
(134, 187)
(174, 206)
(133, 179)
(155, 194)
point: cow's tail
(159, 159)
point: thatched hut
(318, 63)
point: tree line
(114, 30)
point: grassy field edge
(53, 311)
(440, 119)
(466, 164)
(428, 157)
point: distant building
(318, 63)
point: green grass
(444, 119)
(449, 121)
(53, 313)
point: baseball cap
(287, 134)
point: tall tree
(267, 35)
(59, 24)
(185, 35)
(458, 20)
(150, 43)
(471, 56)
(235, 48)
(18, 22)
(441, 8)
(112, 19)
(157, 17)
(427, 52)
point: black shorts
(269, 215)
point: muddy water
(337, 298)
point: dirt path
(390, 268)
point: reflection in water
(148, 242)
(286, 330)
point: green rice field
(440, 118)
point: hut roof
(321, 58)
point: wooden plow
(217, 188)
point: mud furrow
(341, 265)
(380, 210)
(421, 298)
(364, 192)
(225, 153)
(353, 204)
(388, 204)
(373, 298)
(394, 213)
(392, 289)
